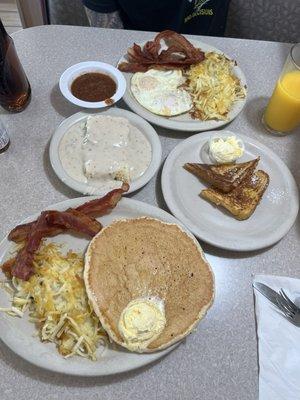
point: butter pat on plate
(223, 150)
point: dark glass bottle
(15, 89)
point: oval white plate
(17, 333)
(70, 74)
(135, 120)
(271, 220)
(184, 122)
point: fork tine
(290, 319)
(280, 305)
(284, 308)
(286, 304)
(288, 300)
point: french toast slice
(243, 200)
(225, 177)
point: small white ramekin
(76, 70)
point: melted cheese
(56, 298)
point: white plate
(271, 220)
(184, 122)
(17, 333)
(135, 120)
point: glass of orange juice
(282, 114)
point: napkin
(278, 343)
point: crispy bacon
(48, 223)
(133, 67)
(19, 233)
(7, 267)
(23, 267)
(99, 207)
(75, 221)
(150, 50)
(180, 53)
(96, 207)
(53, 222)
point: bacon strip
(52, 222)
(20, 232)
(73, 220)
(96, 207)
(23, 267)
(7, 267)
(49, 223)
(102, 206)
(180, 53)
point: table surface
(217, 362)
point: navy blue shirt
(200, 17)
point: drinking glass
(4, 138)
(282, 114)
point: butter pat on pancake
(143, 258)
(141, 322)
(160, 92)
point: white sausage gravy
(104, 151)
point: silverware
(266, 291)
(281, 301)
(290, 310)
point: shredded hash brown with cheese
(57, 302)
(213, 87)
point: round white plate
(183, 122)
(135, 120)
(271, 220)
(17, 333)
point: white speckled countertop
(219, 361)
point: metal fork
(290, 310)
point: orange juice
(283, 111)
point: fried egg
(159, 92)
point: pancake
(144, 257)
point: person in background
(200, 17)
